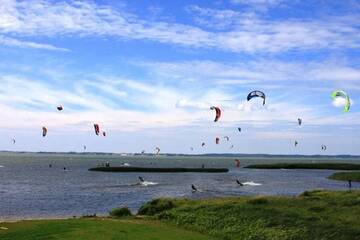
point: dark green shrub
(156, 206)
(120, 212)
(258, 200)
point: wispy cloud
(43, 18)
(12, 42)
(260, 72)
(258, 2)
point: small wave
(252, 183)
(126, 164)
(1, 166)
(146, 183)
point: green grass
(331, 166)
(95, 229)
(313, 215)
(346, 176)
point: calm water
(29, 188)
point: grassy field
(345, 176)
(313, 215)
(95, 229)
(331, 166)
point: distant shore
(325, 166)
(255, 155)
(346, 176)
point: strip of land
(158, 170)
(312, 215)
(346, 176)
(329, 166)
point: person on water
(141, 179)
(194, 189)
(238, 182)
(349, 183)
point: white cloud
(257, 2)
(341, 102)
(12, 42)
(260, 5)
(253, 34)
(183, 103)
(271, 74)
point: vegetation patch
(346, 176)
(156, 206)
(120, 212)
(258, 200)
(313, 215)
(330, 166)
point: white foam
(146, 183)
(1, 166)
(126, 164)
(252, 183)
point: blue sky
(148, 71)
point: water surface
(29, 188)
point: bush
(120, 212)
(156, 206)
(258, 200)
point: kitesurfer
(238, 182)
(194, 189)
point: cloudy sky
(148, 71)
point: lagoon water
(29, 188)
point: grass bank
(313, 215)
(95, 229)
(346, 176)
(330, 166)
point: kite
(44, 131)
(343, 95)
(299, 121)
(217, 111)
(256, 94)
(96, 128)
